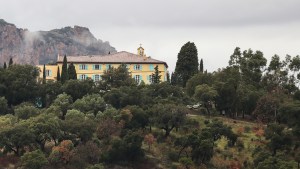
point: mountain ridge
(42, 47)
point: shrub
(34, 160)
(206, 122)
(173, 155)
(247, 129)
(240, 144)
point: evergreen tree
(187, 62)
(168, 77)
(64, 72)
(10, 62)
(201, 66)
(44, 74)
(4, 66)
(156, 75)
(58, 74)
(173, 79)
(72, 72)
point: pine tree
(64, 72)
(4, 66)
(72, 71)
(58, 74)
(187, 63)
(156, 75)
(201, 66)
(44, 74)
(10, 62)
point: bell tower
(140, 51)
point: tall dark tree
(44, 74)
(10, 62)
(201, 66)
(168, 77)
(173, 78)
(156, 75)
(58, 74)
(4, 66)
(64, 72)
(187, 62)
(72, 72)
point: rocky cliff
(42, 47)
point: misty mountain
(42, 47)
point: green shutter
(50, 73)
(93, 77)
(93, 67)
(141, 67)
(100, 67)
(151, 67)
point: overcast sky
(163, 26)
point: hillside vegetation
(248, 118)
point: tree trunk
(167, 132)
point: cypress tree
(187, 63)
(173, 79)
(10, 62)
(168, 77)
(201, 66)
(156, 76)
(72, 71)
(64, 72)
(4, 66)
(44, 74)
(58, 74)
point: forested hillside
(246, 115)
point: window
(96, 78)
(96, 67)
(138, 78)
(83, 77)
(150, 78)
(48, 73)
(137, 67)
(151, 67)
(83, 67)
(108, 66)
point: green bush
(247, 129)
(173, 155)
(34, 160)
(240, 144)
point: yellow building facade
(139, 65)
